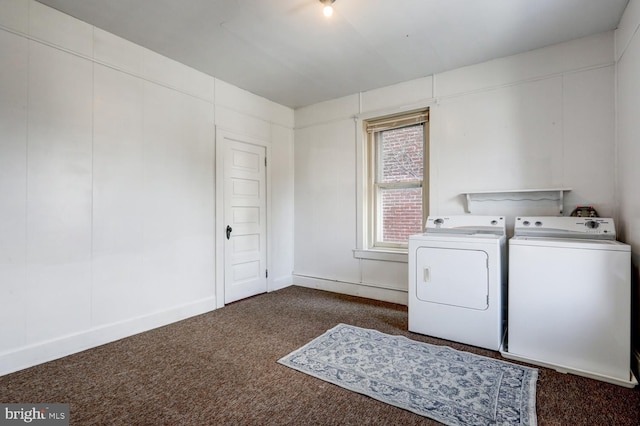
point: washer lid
(570, 243)
(594, 228)
(466, 225)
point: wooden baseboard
(352, 289)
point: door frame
(221, 136)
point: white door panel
(245, 220)
(245, 215)
(246, 190)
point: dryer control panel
(466, 224)
(565, 227)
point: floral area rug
(450, 386)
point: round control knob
(591, 224)
(438, 221)
(494, 222)
(526, 223)
(538, 223)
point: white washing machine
(570, 297)
(456, 279)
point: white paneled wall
(588, 133)
(282, 213)
(628, 103)
(514, 143)
(628, 146)
(540, 119)
(325, 191)
(118, 220)
(546, 133)
(113, 50)
(59, 29)
(13, 188)
(59, 180)
(108, 185)
(575, 55)
(177, 206)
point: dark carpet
(220, 368)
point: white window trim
(374, 188)
(388, 255)
(362, 250)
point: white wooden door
(245, 199)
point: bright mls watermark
(36, 414)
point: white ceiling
(288, 52)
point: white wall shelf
(544, 194)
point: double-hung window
(397, 178)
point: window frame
(372, 128)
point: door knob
(229, 229)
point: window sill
(400, 256)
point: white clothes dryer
(570, 297)
(457, 270)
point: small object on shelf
(584, 211)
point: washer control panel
(466, 224)
(565, 227)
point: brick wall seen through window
(402, 161)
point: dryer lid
(466, 225)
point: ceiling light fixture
(328, 8)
